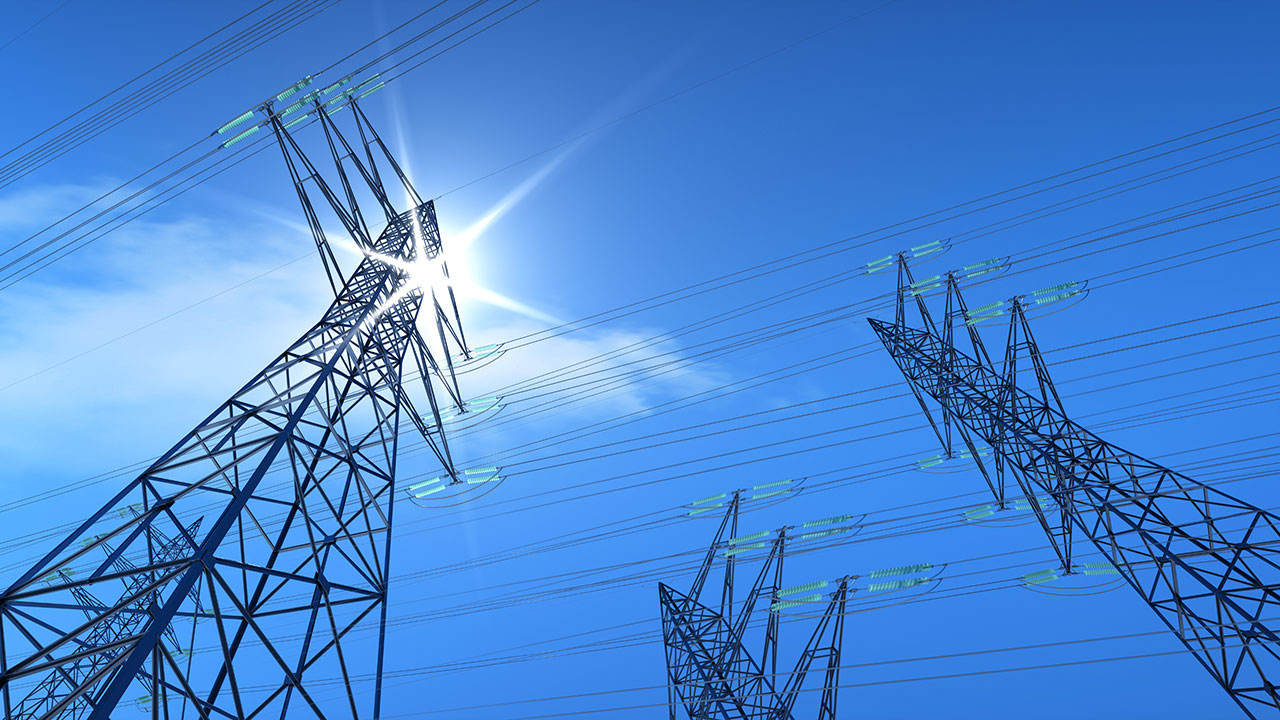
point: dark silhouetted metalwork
(283, 585)
(711, 673)
(1206, 562)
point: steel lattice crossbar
(1206, 562)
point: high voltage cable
(612, 644)
(295, 261)
(895, 470)
(835, 319)
(547, 589)
(249, 39)
(814, 413)
(244, 153)
(406, 43)
(132, 80)
(435, 668)
(129, 82)
(173, 173)
(1117, 157)
(698, 552)
(156, 91)
(379, 39)
(152, 323)
(420, 63)
(394, 674)
(420, 14)
(112, 474)
(894, 681)
(1151, 179)
(560, 435)
(649, 640)
(35, 24)
(926, 598)
(896, 526)
(1104, 388)
(615, 582)
(514, 344)
(1204, 407)
(568, 488)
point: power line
(247, 40)
(35, 24)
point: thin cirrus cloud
(107, 300)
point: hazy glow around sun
(427, 275)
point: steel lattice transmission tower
(246, 570)
(710, 671)
(58, 684)
(1206, 562)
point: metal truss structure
(60, 682)
(246, 570)
(1205, 562)
(711, 674)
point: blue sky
(913, 107)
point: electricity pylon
(294, 476)
(106, 630)
(710, 671)
(1206, 562)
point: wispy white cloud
(130, 398)
(639, 370)
(30, 209)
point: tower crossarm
(1206, 562)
